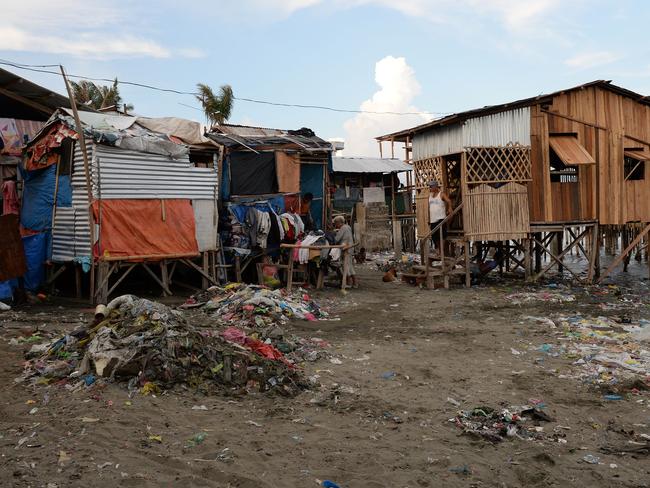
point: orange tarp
(145, 228)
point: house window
(634, 169)
(560, 172)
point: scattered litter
(336, 361)
(540, 296)
(464, 470)
(156, 438)
(4, 307)
(591, 459)
(389, 375)
(199, 407)
(197, 439)
(88, 420)
(456, 403)
(33, 411)
(251, 422)
(613, 397)
(496, 425)
(64, 458)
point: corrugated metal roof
(369, 165)
(254, 137)
(492, 109)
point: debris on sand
(611, 354)
(496, 425)
(261, 313)
(147, 343)
(555, 296)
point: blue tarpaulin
(311, 181)
(36, 249)
(38, 197)
(7, 288)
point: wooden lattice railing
(505, 164)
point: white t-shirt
(437, 208)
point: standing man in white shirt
(439, 208)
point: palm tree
(217, 108)
(99, 96)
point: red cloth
(39, 154)
(10, 202)
(136, 228)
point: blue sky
(434, 56)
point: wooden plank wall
(617, 201)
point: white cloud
(514, 14)
(398, 86)
(81, 29)
(592, 59)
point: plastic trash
(389, 375)
(329, 484)
(197, 439)
(591, 459)
(464, 469)
(613, 397)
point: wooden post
(397, 233)
(537, 238)
(594, 252)
(344, 279)
(626, 241)
(206, 269)
(426, 245)
(527, 261)
(164, 275)
(290, 271)
(89, 191)
(77, 280)
(468, 275)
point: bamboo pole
(89, 191)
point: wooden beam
(201, 272)
(165, 289)
(558, 258)
(625, 252)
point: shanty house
(571, 159)
(143, 196)
(371, 192)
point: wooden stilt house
(532, 172)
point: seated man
(344, 236)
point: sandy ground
(359, 429)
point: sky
(420, 58)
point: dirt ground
(363, 427)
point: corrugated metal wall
(512, 126)
(436, 142)
(129, 174)
(125, 175)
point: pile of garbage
(497, 425)
(610, 353)
(150, 346)
(259, 313)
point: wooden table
(345, 249)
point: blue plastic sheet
(38, 198)
(7, 288)
(311, 181)
(36, 249)
(64, 192)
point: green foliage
(99, 96)
(217, 108)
